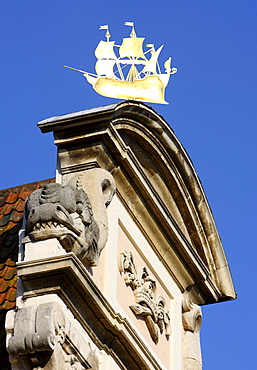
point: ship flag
(133, 32)
(107, 34)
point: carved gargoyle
(150, 306)
(66, 213)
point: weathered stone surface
(65, 213)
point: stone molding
(66, 277)
(148, 305)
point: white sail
(104, 67)
(104, 50)
(150, 66)
(132, 48)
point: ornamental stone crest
(66, 212)
(148, 305)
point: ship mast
(132, 48)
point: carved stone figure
(66, 213)
(150, 306)
(100, 187)
(192, 321)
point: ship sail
(104, 67)
(132, 47)
(104, 50)
(150, 66)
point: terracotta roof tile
(19, 206)
(12, 203)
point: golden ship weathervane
(143, 81)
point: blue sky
(212, 110)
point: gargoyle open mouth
(52, 221)
(64, 212)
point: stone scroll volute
(44, 338)
(39, 331)
(75, 214)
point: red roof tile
(12, 203)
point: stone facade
(117, 256)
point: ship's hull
(149, 89)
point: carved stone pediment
(67, 213)
(148, 305)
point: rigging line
(120, 71)
(158, 66)
(148, 51)
(122, 67)
(79, 70)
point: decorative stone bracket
(192, 321)
(148, 305)
(74, 214)
(40, 341)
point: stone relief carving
(192, 321)
(148, 305)
(78, 220)
(100, 187)
(39, 340)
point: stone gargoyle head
(66, 213)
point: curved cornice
(155, 167)
(208, 234)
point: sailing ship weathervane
(135, 74)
